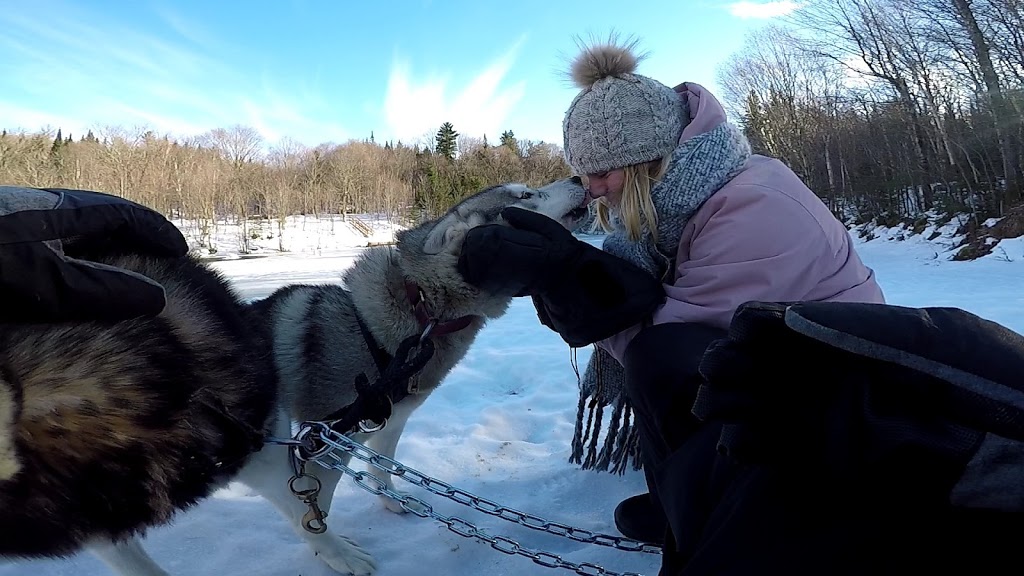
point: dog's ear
(446, 235)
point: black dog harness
(375, 403)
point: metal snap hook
(428, 330)
(368, 426)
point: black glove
(95, 223)
(37, 284)
(580, 291)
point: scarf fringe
(621, 441)
(620, 449)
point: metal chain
(345, 444)
(337, 444)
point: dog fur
(113, 429)
(109, 428)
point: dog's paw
(345, 556)
(396, 506)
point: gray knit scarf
(699, 167)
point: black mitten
(93, 222)
(580, 291)
(598, 296)
(38, 284)
(900, 399)
(521, 259)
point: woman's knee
(668, 351)
(661, 365)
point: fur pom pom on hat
(602, 61)
(619, 118)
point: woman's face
(607, 185)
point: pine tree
(447, 141)
(508, 140)
(58, 142)
(57, 152)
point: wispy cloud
(417, 105)
(78, 70)
(190, 31)
(763, 10)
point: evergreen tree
(447, 141)
(508, 140)
(57, 143)
(57, 152)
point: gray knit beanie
(619, 118)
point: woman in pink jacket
(697, 225)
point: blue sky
(327, 71)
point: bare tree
(1003, 115)
(869, 32)
(238, 144)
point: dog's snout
(576, 180)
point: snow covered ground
(499, 427)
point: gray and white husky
(314, 340)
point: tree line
(229, 175)
(891, 108)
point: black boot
(638, 518)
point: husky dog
(324, 336)
(107, 429)
(112, 429)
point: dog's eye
(526, 195)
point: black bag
(923, 405)
(852, 439)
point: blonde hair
(635, 206)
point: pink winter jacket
(763, 236)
